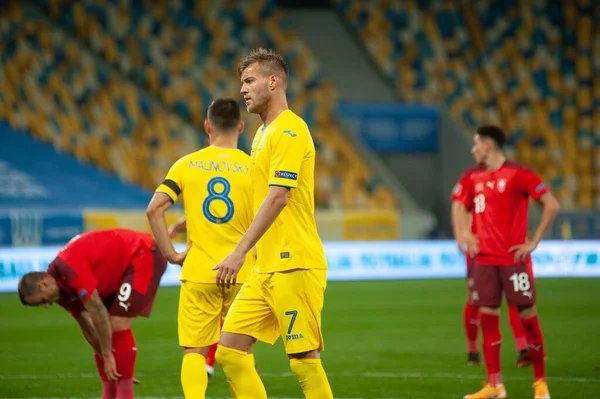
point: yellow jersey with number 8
(283, 154)
(216, 187)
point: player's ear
(241, 127)
(273, 81)
(207, 128)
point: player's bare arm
(101, 321)
(550, 210)
(155, 212)
(462, 219)
(267, 213)
(455, 214)
(89, 332)
(178, 228)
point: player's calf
(309, 371)
(238, 365)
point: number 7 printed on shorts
(292, 313)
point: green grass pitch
(384, 339)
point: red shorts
(139, 284)
(487, 283)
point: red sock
(100, 367)
(517, 328)
(109, 389)
(124, 389)
(210, 358)
(125, 353)
(536, 347)
(471, 320)
(492, 341)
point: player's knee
(489, 310)
(527, 311)
(202, 351)
(313, 354)
(118, 323)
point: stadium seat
(524, 65)
(178, 62)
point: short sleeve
(173, 181)
(288, 148)
(531, 184)
(74, 308)
(74, 278)
(462, 191)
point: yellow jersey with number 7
(216, 189)
(283, 154)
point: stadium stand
(59, 92)
(186, 58)
(34, 176)
(530, 66)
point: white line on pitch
(289, 374)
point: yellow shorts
(201, 307)
(281, 303)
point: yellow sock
(193, 376)
(239, 368)
(312, 378)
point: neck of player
(224, 140)
(495, 161)
(277, 104)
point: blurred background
(99, 97)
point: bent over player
(105, 279)
(498, 197)
(471, 312)
(284, 294)
(217, 195)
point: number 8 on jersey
(222, 196)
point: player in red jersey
(498, 196)
(471, 312)
(104, 279)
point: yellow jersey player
(216, 191)
(283, 296)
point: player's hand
(229, 268)
(110, 367)
(470, 243)
(523, 250)
(463, 247)
(178, 257)
(136, 381)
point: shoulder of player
(511, 165)
(471, 172)
(293, 125)
(187, 158)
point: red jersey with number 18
(499, 202)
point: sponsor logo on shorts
(282, 174)
(125, 305)
(475, 296)
(528, 294)
(292, 337)
(284, 255)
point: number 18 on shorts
(490, 282)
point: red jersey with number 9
(499, 202)
(97, 260)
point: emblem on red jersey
(478, 187)
(457, 189)
(501, 185)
